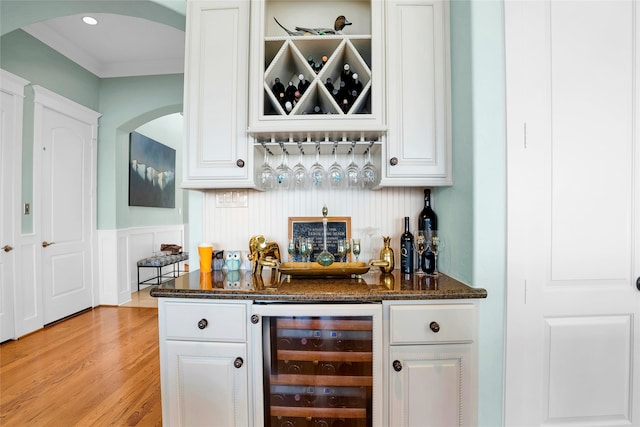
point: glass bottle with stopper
(325, 258)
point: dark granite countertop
(370, 287)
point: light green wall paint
(125, 103)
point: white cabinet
(217, 153)
(431, 364)
(418, 143)
(203, 363)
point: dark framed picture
(152, 169)
(338, 227)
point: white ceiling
(118, 46)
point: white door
(573, 308)
(11, 94)
(65, 141)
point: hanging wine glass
(353, 173)
(300, 175)
(336, 173)
(369, 172)
(317, 172)
(283, 172)
(266, 175)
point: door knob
(7, 248)
(45, 244)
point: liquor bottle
(428, 222)
(406, 249)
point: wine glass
(353, 173)
(421, 245)
(342, 249)
(435, 244)
(336, 173)
(355, 247)
(266, 175)
(300, 175)
(304, 249)
(291, 249)
(284, 173)
(310, 248)
(317, 172)
(369, 172)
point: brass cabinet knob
(397, 365)
(238, 362)
(434, 327)
(240, 163)
(7, 248)
(203, 323)
(393, 161)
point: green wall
(125, 103)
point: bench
(160, 261)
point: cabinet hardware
(238, 362)
(393, 161)
(638, 283)
(434, 327)
(203, 323)
(7, 248)
(397, 365)
(255, 319)
(240, 163)
(45, 244)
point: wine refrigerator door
(317, 365)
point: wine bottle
(329, 84)
(356, 84)
(303, 84)
(278, 88)
(290, 91)
(406, 249)
(345, 74)
(428, 222)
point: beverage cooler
(320, 365)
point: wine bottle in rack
(427, 222)
(406, 249)
(356, 84)
(278, 88)
(328, 84)
(290, 91)
(345, 74)
(303, 85)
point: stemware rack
(344, 147)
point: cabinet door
(430, 385)
(203, 386)
(216, 153)
(417, 151)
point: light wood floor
(96, 369)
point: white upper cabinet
(418, 147)
(399, 106)
(217, 153)
(317, 57)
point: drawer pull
(255, 319)
(397, 365)
(238, 362)
(434, 327)
(203, 323)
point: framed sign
(338, 227)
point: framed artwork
(338, 227)
(152, 168)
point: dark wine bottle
(406, 249)
(428, 222)
(290, 91)
(278, 88)
(303, 84)
(329, 84)
(356, 84)
(345, 74)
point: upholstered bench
(160, 261)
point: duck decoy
(338, 25)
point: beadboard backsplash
(373, 214)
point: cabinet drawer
(208, 322)
(418, 324)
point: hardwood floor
(96, 369)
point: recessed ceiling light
(89, 20)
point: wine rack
(319, 371)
